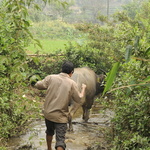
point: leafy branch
(132, 85)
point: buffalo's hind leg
(70, 126)
(86, 113)
(72, 110)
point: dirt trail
(83, 136)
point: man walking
(60, 89)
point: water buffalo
(94, 87)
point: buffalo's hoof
(70, 129)
(85, 120)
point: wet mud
(82, 138)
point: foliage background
(123, 39)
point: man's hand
(83, 86)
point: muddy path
(83, 136)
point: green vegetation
(16, 110)
(131, 88)
(54, 30)
(120, 47)
(14, 70)
(48, 46)
(54, 36)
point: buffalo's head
(100, 83)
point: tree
(14, 70)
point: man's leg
(49, 133)
(61, 129)
(49, 141)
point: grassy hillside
(53, 36)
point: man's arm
(43, 84)
(39, 85)
(77, 95)
(82, 93)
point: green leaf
(35, 60)
(36, 6)
(3, 59)
(136, 42)
(38, 43)
(64, 4)
(26, 23)
(29, 33)
(146, 80)
(111, 77)
(35, 78)
(2, 68)
(14, 75)
(128, 53)
(147, 51)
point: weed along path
(82, 138)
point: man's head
(67, 67)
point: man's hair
(67, 67)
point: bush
(85, 56)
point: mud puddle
(83, 136)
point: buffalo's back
(88, 77)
